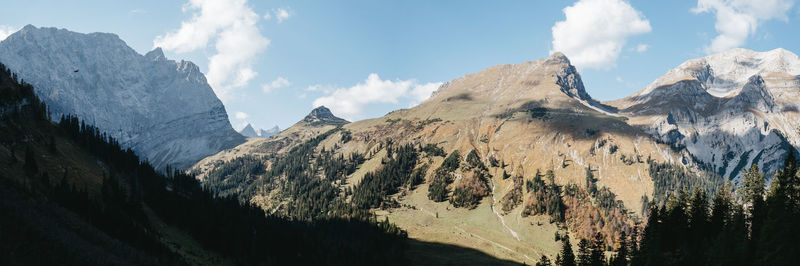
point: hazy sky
(272, 61)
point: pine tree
(597, 252)
(621, 258)
(776, 242)
(566, 257)
(591, 187)
(721, 209)
(753, 188)
(698, 224)
(544, 261)
(584, 253)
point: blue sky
(326, 52)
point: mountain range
(710, 118)
(501, 161)
(249, 132)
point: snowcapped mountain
(729, 110)
(164, 110)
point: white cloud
(279, 82)
(739, 19)
(241, 115)
(350, 102)
(231, 25)
(422, 92)
(619, 79)
(595, 31)
(642, 48)
(280, 14)
(7, 30)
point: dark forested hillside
(695, 228)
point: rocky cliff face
(164, 110)
(728, 110)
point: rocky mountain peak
(155, 54)
(162, 109)
(248, 131)
(725, 73)
(323, 116)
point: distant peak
(724, 73)
(323, 115)
(321, 110)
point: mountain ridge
(131, 96)
(725, 109)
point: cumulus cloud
(595, 31)
(350, 102)
(280, 14)
(231, 25)
(7, 30)
(739, 19)
(279, 82)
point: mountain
(248, 131)
(471, 165)
(511, 155)
(318, 121)
(323, 116)
(727, 110)
(265, 133)
(162, 109)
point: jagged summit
(551, 82)
(248, 131)
(162, 109)
(323, 116)
(156, 54)
(268, 132)
(723, 74)
(728, 110)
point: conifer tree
(621, 258)
(544, 261)
(584, 257)
(566, 257)
(597, 252)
